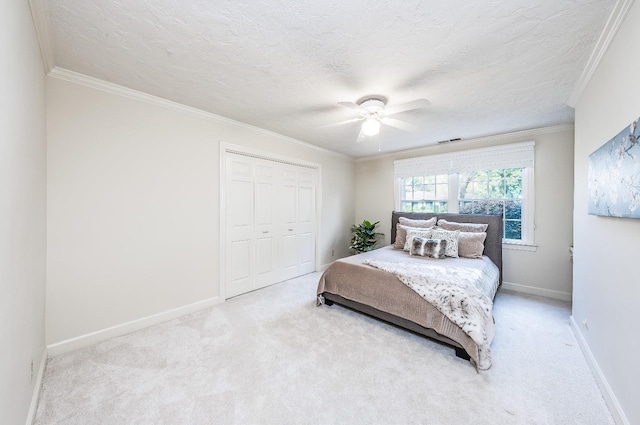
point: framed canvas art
(614, 175)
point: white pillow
(452, 240)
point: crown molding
(41, 25)
(105, 86)
(471, 143)
(616, 19)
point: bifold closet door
(264, 223)
(297, 214)
(288, 218)
(306, 221)
(239, 186)
(270, 222)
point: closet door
(306, 221)
(239, 268)
(265, 230)
(270, 222)
(288, 222)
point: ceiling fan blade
(402, 125)
(409, 106)
(342, 122)
(361, 136)
(359, 109)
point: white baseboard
(128, 327)
(532, 290)
(601, 380)
(33, 407)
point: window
(425, 193)
(497, 180)
(494, 192)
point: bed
(353, 283)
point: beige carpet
(272, 357)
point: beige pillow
(416, 233)
(471, 245)
(463, 227)
(451, 238)
(401, 235)
(418, 223)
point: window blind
(514, 155)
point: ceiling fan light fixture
(371, 127)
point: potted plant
(364, 236)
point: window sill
(514, 246)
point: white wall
(22, 210)
(133, 206)
(606, 279)
(547, 271)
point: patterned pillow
(423, 233)
(401, 235)
(434, 248)
(450, 237)
(463, 227)
(471, 245)
(418, 223)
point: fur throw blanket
(456, 292)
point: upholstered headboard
(493, 243)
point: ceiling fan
(372, 110)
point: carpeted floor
(273, 357)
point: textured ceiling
(487, 67)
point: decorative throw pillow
(417, 246)
(434, 248)
(463, 227)
(423, 233)
(418, 223)
(452, 240)
(471, 245)
(401, 235)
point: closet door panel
(265, 229)
(306, 223)
(289, 259)
(265, 251)
(288, 220)
(239, 232)
(289, 204)
(306, 210)
(240, 280)
(241, 206)
(306, 253)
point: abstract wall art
(614, 175)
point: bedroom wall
(606, 284)
(543, 270)
(22, 211)
(133, 223)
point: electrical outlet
(333, 253)
(31, 372)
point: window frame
(402, 190)
(414, 168)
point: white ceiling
(488, 67)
